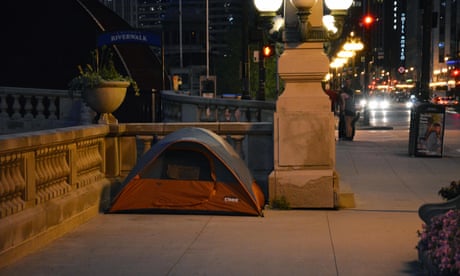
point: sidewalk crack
(332, 243)
(189, 246)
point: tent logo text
(231, 199)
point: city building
(189, 51)
(397, 43)
(445, 46)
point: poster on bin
(430, 134)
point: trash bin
(426, 133)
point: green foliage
(451, 191)
(271, 75)
(102, 68)
(280, 203)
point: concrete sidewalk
(377, 237)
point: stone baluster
(52, 108)
(86, 114)
(172, 111)
(212, 113)
(253, 114)
(41, 176)
(4, 189)
(167, 111)
(40, 117)
(238, 144)
(226, 113)
(58, 160)
(28, 116)
(202, 112)
(146, 141)
(52, 172)
(3, 207)
(234, 113)
(3, 113)
(12, 185)
(243, 111)
(89, 162)
(19, 181)
(40, 108)
(16, 108)
(223, 114)
(28, 108)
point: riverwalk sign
(123, 37)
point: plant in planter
(439, 244)
(102, 86)
(451, 191)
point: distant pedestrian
(333, 96)
(347, 112)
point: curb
(374, 128)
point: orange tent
(190, 170)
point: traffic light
(368, 20)
(268, 51)
(455, 73)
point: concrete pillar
(304, 135)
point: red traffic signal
(455, 73)
(368, 20)
(268, 50)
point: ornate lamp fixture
(267, 12)
(268, 7)
(303, 11)
(339, 10)
(333, 23)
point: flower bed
(439, 245)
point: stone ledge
(34, 228)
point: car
(360, 101)
(378, 102)
(445, 100)
(411, 101)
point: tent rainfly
(190, 170)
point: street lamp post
(267, 11)
(304, 126)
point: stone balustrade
(177, 107)
(51, 181)
(37, 167)
(30, 109)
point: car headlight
(362, 102)
(373, 104)
(384, 104)
(409, 104)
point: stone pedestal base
(304, 188)
(107, 119)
